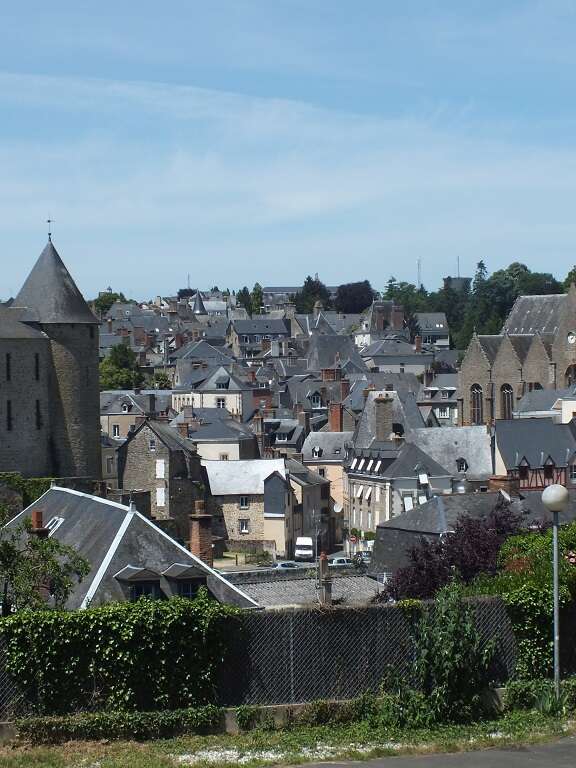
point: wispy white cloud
(152, 181)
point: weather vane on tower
(49, 221)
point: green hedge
(31, 488)
(148, 655)
(119, 725)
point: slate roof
(51, 295)
(111, 401)
(535, 440)
(300, 589)
(243, 477)
(198, 307)
(543, 399)
(448, 444)
(233, 383)
(405, 412)
(260, 325)
(326, 350)
(330, 447)
(112, 537)
(490, 345)
(12, 328)
(535, 314)
(432, 321)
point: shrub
(525, 584)
(539, 694)
(119, 725)
(148, 655)
(452, 664)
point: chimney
(304, 421)
(336, 417)
(109, 321)
(418, 343)
(275, 348)
(182, 428)
(397, 318)
(383, 412)
(265, 345)
(201, 534)
(252, 375)
(344, 388)
(151, 405)
(38, 528)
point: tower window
(91, 331)
(38, 415)
(8, 366)
(37, 366)
(9, 415)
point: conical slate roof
(199, 308)
(50, 295)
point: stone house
(216, 435)
(251, 505)
(122, 410)
(156, 458)
(221, 389)
(438, 400)
(249, 338)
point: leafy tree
(103, 303)
(257, 298)
(120, 369)
(161, 380)
(244, 299)
(570, 278)
(34, 569)
(352, 298)
(472, 549)
(313, 290)
(185, 293)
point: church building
(535, 350)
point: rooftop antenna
(188, 280)
(49, 221)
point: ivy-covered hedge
(119, 725)
(148, 655)
(31, 488)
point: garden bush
(119, 725)
(147, 655)
(532, 694)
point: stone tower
(54, 305)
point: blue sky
(243, 140)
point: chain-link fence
(13, 702)
(292, 656)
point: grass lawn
(297, 745)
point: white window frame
(244, 502)
(243, 525)
(220, 402)
(443, 412)
(573, 472)
(160, 469)
(152, 444)
(115, 430)
(161, 497)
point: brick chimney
(182, 428)
(418, 343)
(383, 412)
(38, 528)
(344, 388)
(201, 534)
(397, 318)
(336, 417)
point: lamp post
(555, 498)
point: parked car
(341, 561)
(286, 565)
(366, 556)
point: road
(559, 754)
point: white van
(304, 549)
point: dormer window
(316, 452)
(125, 407)
(316, 400)
(461, 465)
(282, 437)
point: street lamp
(555, 498)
